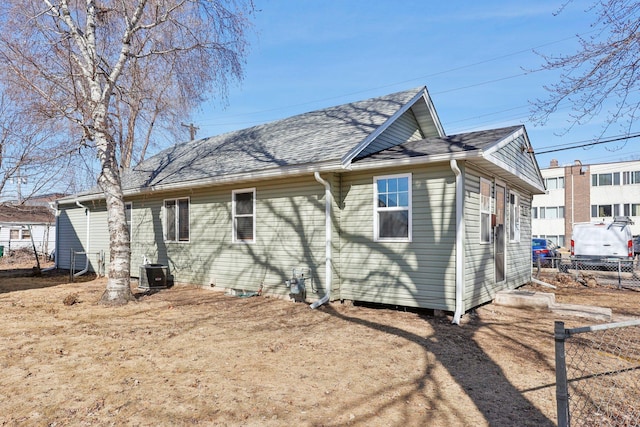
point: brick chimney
(553, 163)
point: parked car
(546, 251)
(602, 244)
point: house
(371, 200)
(20, 224)
(580, 192)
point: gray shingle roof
(465, 142)
(311, 138)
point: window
(551, 212)
(514, 217)
(485, 211)
(601, 211)
(176, 216)
(602, 179)
(244, 218)
(128, 207)
(14, 234)
(554, 183)
(392, 208)
(534, 213)
(631, 177)
(632, 209)
(26, 234)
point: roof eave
(238, 178)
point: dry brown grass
(188, 355)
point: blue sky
(474, 57)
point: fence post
(562, 389)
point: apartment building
(582, 193)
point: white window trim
(409, 208)
(177, 223)
(233, 215)
(515, 211)
(480, 211)
(130, 225)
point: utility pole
(192, 130)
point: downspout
(459, 243)
(328, 243)
(56, 253)
(88, 248)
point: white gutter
(328, 233)
(459, 243)
(86, 251)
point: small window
(14, 234)
(554, 183)
(534, 213)
(601, 211)
(176, 216)
(485, 211)
(392, 208)
(514, 214)
(128, 207)
(244, 218)
(26, 234)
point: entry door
(499, 234)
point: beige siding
(403, 130)
(290, 234)
(73, 221)
(480, 285)
(418, 273)
(479, 262)
(521, 161)
(72, 234)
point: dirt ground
(193, 356)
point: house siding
(404, 129)
(290, 233)
(72, 236)
(517, 159)
(420, 273)
(480, 284)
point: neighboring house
(372, 197)
(584, 193)
(19, 224)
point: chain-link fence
(598, 374)
(606, 272)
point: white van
(602, 244)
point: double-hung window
(392, 208)
(244, 216)
(176, 220)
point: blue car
(544, 251)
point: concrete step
(547, 301)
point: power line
(589, 144)
(419, 78)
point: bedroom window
(485, 211)
(392, 208)
(176, 216)
(244, 218)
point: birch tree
(75, 60)
(602, 78)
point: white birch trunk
(118, 290)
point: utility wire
(589, 144)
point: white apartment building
(584, 193)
